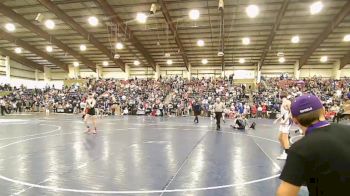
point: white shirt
(286, 115)
(90, 103)
(338, 93)
(2, 102)
(82, 105)
(219, 107)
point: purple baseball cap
(305, 104)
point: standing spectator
(253, 111)
(246, 111)
(170, 109)
(19, 105)
(210, 111)
(321, 159)
(264, 110)
(118, 109)
(161, 109)
(14, 106)
(260, 111)
(197, 111)
(3, 106)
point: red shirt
(264, 108)
(253, 109)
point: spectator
(197, 111)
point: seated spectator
(259, 111)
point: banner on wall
(243, 74)
(30, 84)
(70, 82)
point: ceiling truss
(270, 32)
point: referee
(320, 160)
(218, 109)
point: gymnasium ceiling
(170, 31)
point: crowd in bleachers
(6, 87)
(175, 96)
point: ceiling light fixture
(346, 38)
(93, 21)
(194, 14)
(154, 8)
(295, 39)
(281, 59)
(39, 17)
(119, 46)
(200, 43)
(316, 7)
(246, 41)
(252, 11)
(221, 4)
(50, 24)
(169, 62)
(10, 27)
(105, 63)
(18, 50)
(82, 47)
(241, 60)
(324, 59)
(49, 48)
(136, 62)
(141, 17)
(76, 64)
(204, 61)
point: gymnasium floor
(50, 155)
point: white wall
(196, 72)
(58, 74)
(206, 72)
(2, 66)
(31, 84)
(140, 72)
(113, 73)
(276, 71)
(173, 71)
(345, 72)
(244, 74)
(86, 73)
(326, 73)
(21, 71)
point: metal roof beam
(83, 32)
(172, 27)
(7, 11)
(109, 11)
(345, 11)
(33, 49)
(21, 60)
(222, 37)
(273, 32)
